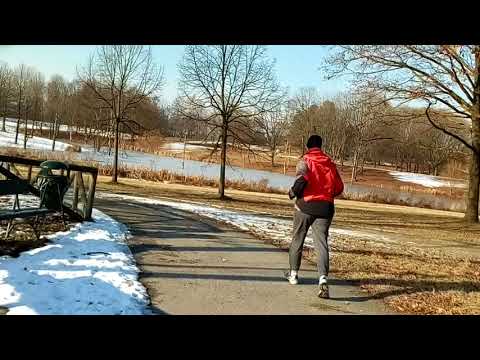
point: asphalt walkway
(192, 265)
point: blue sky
(297, 65)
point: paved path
(191, 265)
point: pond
(192, 167)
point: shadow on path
(171, 244)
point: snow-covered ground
(38, 143)
(427, 180)
(87, 270)
(177, 146)
(11, 124)
(274, 228)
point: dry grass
(143, 173)
(148, 144)
(44, 154)
(405, 197)
(413, 188)
(411, 280)
(37, 154)
(429, 275)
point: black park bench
(31, 215)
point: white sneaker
(292, 279)
(323, 291)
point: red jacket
(323, 180)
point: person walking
(316, 185)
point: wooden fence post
(83, 193)
(75, 191)
(91, 196)
(29, 176)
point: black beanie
(314, 141)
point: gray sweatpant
(320, 226)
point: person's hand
(291, 195)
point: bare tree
(33, 101)
(121, 77)
(274, 126)
(6, 91)
(304, 122)
(72, 107)
(305, 98)
(438, 148)
(446, 77)
(38, 99)
(362, 112)
(20, 82)
(335, 128)
(232, 84)
(56, 105)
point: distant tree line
(413, 107)
(47, 107)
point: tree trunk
(272, 156)
(184, 150)
(110, 140)
(289, 147)
(4, 117)
(354, 168)
(85, 134)
(32, 133)
(471, 213)
(115, 157)
(362, 166)
(25, 132)
(17, 129)
(223, 160)
(54, 132)
(19, 113)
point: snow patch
(87, 270)
(274, 228)
(37, 143)
(11, 123)
(180, 146)
(426, 180)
